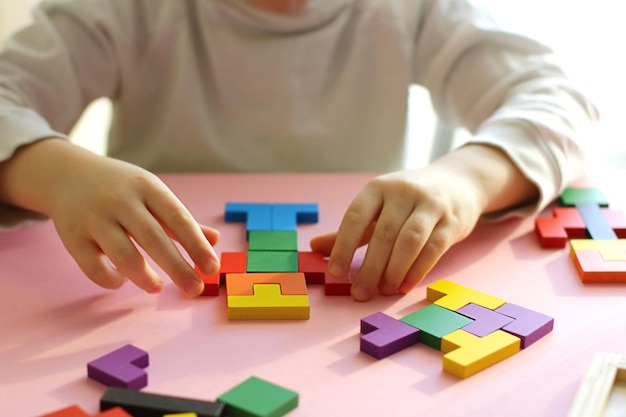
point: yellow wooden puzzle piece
(467, 354)
(268, 303)
(181, 415)
(454, 296)
(610, 250)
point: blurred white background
(589, 36)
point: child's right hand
(107, 213)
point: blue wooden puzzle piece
(257, 216)
(596, 224)
(286, 216)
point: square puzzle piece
(434, 322)
(256, 397)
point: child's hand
(409, 219)
(109, 213)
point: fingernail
(336, 269)
(361, 292)
(193, 288)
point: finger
(150, 235)
(434, 248)
(387, 228)
(410, 242)
(213, 235)
(324, 243)
(96, 266)
(179, 222)
(357, 220)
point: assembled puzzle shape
(596, 234)
(474, 330)
(121, 368)
(260, 282)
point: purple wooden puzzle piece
(485, 320)
(529, 325)
(383, 335)
(121, 368)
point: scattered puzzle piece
(141, 404)
(121, 368)
(76, 411)
(383, 335)
(256, 397)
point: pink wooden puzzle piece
(528, 325)
(485, 320)
(599, 261)
(121, 368)
(383, 335)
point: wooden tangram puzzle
(269, 281)
(596, 234)
(474, 330)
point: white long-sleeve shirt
(218, 85)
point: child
(278, 85)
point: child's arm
(101, 207)
(411, 218)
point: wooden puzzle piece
(453, 296)
(273, 240)
(257, 216)
(181, 415)
(286, 216)
(592, 397)
(595, 222)
(554, 232)
(76, 411)
(142, 404)
(256, 397)
(314, 265)
(434, 322)
(211, 282)
(599, 261)
(272, 261)
(267, 303)
(467, 354)
(485, 320)
(121, 368)
(573, 196)
(528, 325)
(382, 335)
(568, 223)
(291, 283)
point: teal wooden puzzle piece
(256, 397)
(272, 261)
(273, 240)
(434, 322)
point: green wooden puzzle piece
(258, 398)
(434, 322)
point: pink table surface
(54, 321)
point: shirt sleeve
(50, 72)
(508, 90)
